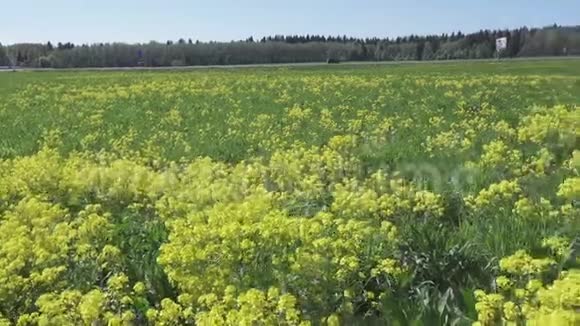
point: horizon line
(258, 38)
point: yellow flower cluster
(495, 195)
(559, 302)
(249, 308)
(496, 154)
(524, 297)
(559, 122)
(522, 264)
(116, 304)
(554, 304)
(570, 189)
(225, 228)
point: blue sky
(87, 21)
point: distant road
(303, 64)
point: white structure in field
(501, 44)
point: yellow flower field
(393, 195)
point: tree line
(522, 42)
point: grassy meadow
(352, 194)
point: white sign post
(500, 45)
